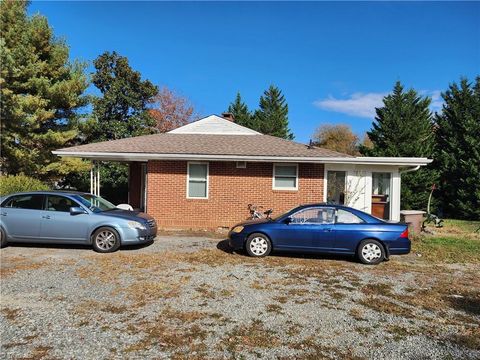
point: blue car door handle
(328, 229)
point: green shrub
(16, 183)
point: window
(381, 183)
(60, 203)
(346, 217)
(32, 202)
(197, 182)
(336, 187)
(314, 216)
(285, 177)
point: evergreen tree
(122, 109)
(404, 127)
(272, 117)
(41, 94)
(241, 113)
(458, 150)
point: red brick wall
(230, 191)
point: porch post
(98, 179)
(91, 177)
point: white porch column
(396, 191)
(98, 179)
(95, 178)
(91, 177)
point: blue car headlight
(136, 225)
(238, 229)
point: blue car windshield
(95, 203)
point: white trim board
(115, 156)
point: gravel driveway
(189, 297)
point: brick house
(203, 175)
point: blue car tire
(258, 245)
(371, 252)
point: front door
(381, 195)
(21, 216)
(58, 224)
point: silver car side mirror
(77, 210)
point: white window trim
(188, 179)
(285, 188)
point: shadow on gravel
(225, 247)
(74, 246)
(468, 304)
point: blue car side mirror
(288, 220)
(76, 210)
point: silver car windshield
(95, 203)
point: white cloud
(437, 100)
(364, 104)
(358, 104)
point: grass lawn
(457, 241)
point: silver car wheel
(258, 246)
(105, 240)
(371, 252)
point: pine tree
(122, 109)
(272, 117)
(41, 94)
(404, 127)
(458, 150)
(241, 113)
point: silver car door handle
(4, 214)
(46, 216)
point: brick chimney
(228, 116)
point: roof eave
(106, 156)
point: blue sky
(333, 61)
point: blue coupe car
(323, 228)
(68, 217)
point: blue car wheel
(371, 252)
(258, 245)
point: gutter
(106, 156)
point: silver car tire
(258, 245)
(105, 240)
(3, 238)
(371, 252)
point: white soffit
(214, 124)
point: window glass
(198, 172)
(314, 216)
(59, 203)
(336, 187)
(285, 176)
(94, 203)
(283, 182)
(197, 180)
(32, 202)
(381, 183)
(346, 217)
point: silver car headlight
(136, 225)
(237, 229)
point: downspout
(409, 170)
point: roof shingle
(207, 144)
